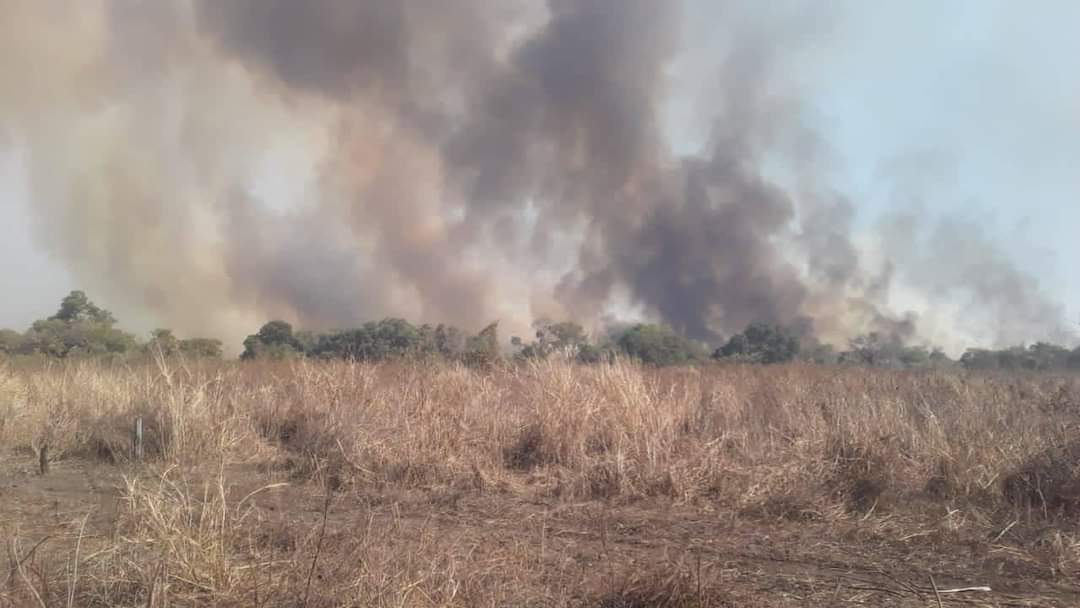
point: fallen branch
(965, 589)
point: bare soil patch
(500, 548)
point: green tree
(164, 342)
(345, 344)
(201, 348)
(879, 350)
(565, 337)
(1045, 356)
(274, 340)
(760, 343)
(394, 338)
(914, 356)
(658, 345)
(449, 340)
(939, 359)
(819, 353)
(256, 349)
(307, 341)
(591, 353)
(1041, 356)
(979, 358)
(483, 348)
(11, 342)
(79, 328)
(55, 338)
(374, 341)
(275, 333)
(871, 349)
(77, 307)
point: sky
(961, 108)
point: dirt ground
(511, 550)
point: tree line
(648, 343)
(82, 329)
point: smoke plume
(460, 162)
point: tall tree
(77, 307)
(78, 328)
(274, 340)
(565, 337)
(10, 341)
(761, 343)
(483, 348)
(162, 341)
(659, 345)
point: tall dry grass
(725, 432)
(770, 442)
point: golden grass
(768, 443)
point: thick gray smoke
(468, 160)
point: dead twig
(937, 594)
(22, 571)
(75, 566)
(318, 546)
(16, 561)
(1003, 532)
(965, 589)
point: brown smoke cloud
(470, 160)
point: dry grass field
(548, 484)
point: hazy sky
(30, 282)
(968, 108)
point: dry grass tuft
(1049, 482)
(861, 477)
(663, 589)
